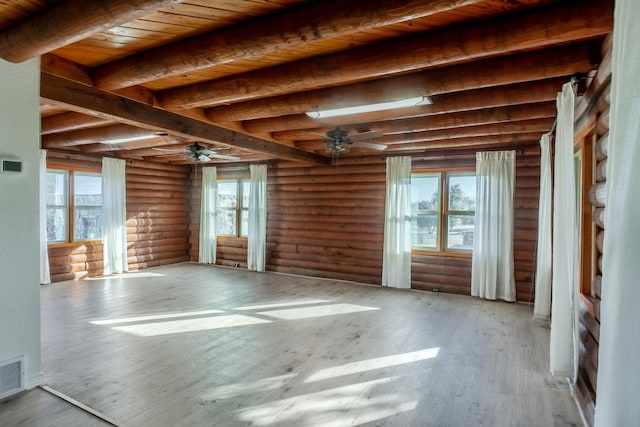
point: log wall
(592, 133)
(157, 219)
(329, 222)
(230, 251)
(453, 274)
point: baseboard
(34, 381)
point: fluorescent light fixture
(134, 138)
(408, 102)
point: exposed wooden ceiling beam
(538, 126)
(69, 21)
(92, 135)
(470, 142)
(86, 99)
(132, 145)
(489, 72)
(559, 24)
(521, 93)
(441, 121)
(70, 121)
(288, 29)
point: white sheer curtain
(44, 252)
(618, 374)
(396, 257)
(563, 346)
(208, 224)
(257, 240)
(492, 263)
(542, 304)
(114, 216)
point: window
(443, 201)
(233, 207)
(74, 202)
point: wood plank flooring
(194, 345)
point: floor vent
(11, 376)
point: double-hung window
(233, 207)
(74, 206)
(443, 211)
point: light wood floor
(193, 345)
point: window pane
(227, 196)
(460, 232)
(87, 223)
(246, 187)
(425, 204)
(87, 189)
(56, 224)
(424, 231)
(56, 188)
(244, 226)
(462, 193)
(226, 222)
(425, 193)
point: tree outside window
(233, 207)
(74, 202)
(442, 201)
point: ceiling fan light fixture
(401, 103)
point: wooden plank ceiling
(237, 76)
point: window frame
(239, 209)
(443, 214)
(70, 205)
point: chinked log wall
(592, 130)
(329, 222)
(157, 219)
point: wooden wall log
(600, 240)
(598, 194)
(599, 217)
(602, 147)
(601, 171)
(328, 222)
(157, 223)
(602, 125)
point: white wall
(19, 229)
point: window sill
(73, 244)
(451, 254)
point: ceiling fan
(339, 141)
(201, 154)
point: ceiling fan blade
(370, 145)
(365, 135)
(319, 135)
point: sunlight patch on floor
(154, 317)
(319, 311)
(282, 304)
(131, 275)
(329, 407)
(371, 364)
(189, 325)
(238, 389)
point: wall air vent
(11, 377)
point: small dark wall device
(7, 165)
